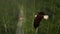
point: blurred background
(17, 16)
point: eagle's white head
(46, 17)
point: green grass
(8, 16)
(9, 10)
(51, 26)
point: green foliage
(9, 10)
(8, 16)
(51, 26)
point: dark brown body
(38, 19)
